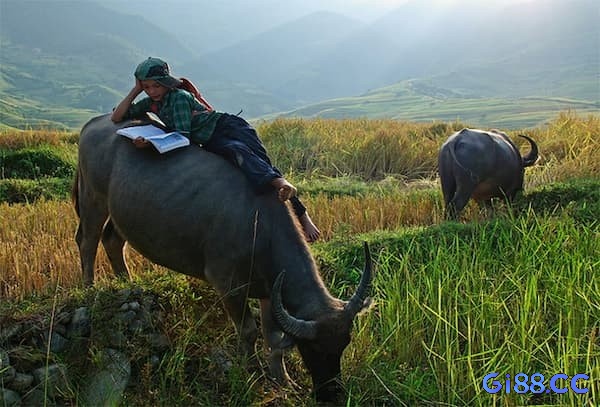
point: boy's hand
(138, 86)
(141, 142)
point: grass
(453, 301)
(505, 299)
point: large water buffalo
(481, 165)
(193, 212)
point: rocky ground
(51, 359)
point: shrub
(32, 163)
(28, 191)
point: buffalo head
(322, 340)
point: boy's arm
(182, 115)
(119, 113)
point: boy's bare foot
(311, 232)
(285, 190)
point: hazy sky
(370, 9)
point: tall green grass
(458, 302)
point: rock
(54, 379)
(125, 317)
(136, 326)
(58, 343)
(7, 372)
(10, 398)
(221, 360)
(106, 386)
(60, 329)
(63, 318)
(123, 295)
(21, 382)
(146, 318)
(148, 302)
(134, 305)
(81, 323)
(4, 359)
(154, 361)
(10, 332)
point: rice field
(515, 291)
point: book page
(169, 142)
(146, 131)
(155, 120)
(162, 141)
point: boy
(221, 133)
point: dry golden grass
(38, 249)
(569, 148)
(31, 138)
(368, 149)
(342, 215)
(373, 149)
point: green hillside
(419, 101)
(63, 62)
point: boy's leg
(259, 173)
(285, 190)
(237, 141)
(236, 128)
(311, 232)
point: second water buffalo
(481, 165)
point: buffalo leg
(448, 190)
(460, 199)
(276, 342)
(237, 308)
(91, 222)
(114, 243)
(235, 301)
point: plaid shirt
(180, 111)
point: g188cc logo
(559, 383)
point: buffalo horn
(532, 157)
(357, 301)
(292, 326)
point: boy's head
(158, 70)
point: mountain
(275, 59)
(541, 48)
(208, 26)
(60, 55)
(74, 54)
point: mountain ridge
(53, 54)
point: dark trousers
(236, 140)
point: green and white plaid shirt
(181, 112)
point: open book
(161, 140)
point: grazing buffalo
(193, 212)
(481, 165)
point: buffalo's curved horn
(297, 328)
(357, 301)
(533, 155)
